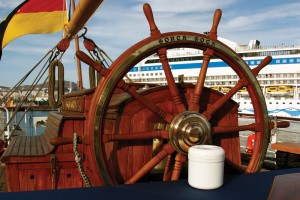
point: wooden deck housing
(33, 163)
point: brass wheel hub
(187, 129)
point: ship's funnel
(254, 44)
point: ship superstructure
(280, 80)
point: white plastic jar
(206, 166)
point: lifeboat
(221, 89)
(285, 88)
(243, 89)
(272, 89)
(216, 88)
(225, 89)
(281, 90)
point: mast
(81, 14)
(79, 72)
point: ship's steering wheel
(190, 114)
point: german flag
(33, 17)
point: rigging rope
(51, 52)
(99, 55)
(25, 111)
(104, 62)
(35, 82)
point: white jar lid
(207, 153)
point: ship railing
(6, 132)
(276, 46)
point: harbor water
(29, 124)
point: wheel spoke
(149, 16)
(179, 160)
(162, 134)
(221, 101)
(162, 53)
(241, 83)
(87, 60)
(167, 150)
(194, 103)
(168, 171)
(146, 102)
(213, 31)
(249, 127)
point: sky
(119, 24)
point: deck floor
(3, 186)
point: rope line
(33, 85)
(78, 160)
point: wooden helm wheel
(121, 146)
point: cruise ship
(279, 81)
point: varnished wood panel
(291, 147)
(68, 130)
(133, 118)
(12, 177)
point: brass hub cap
(187, 129)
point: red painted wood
(12, 178)
(22, 179)
(135, 118)
(68, 131)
